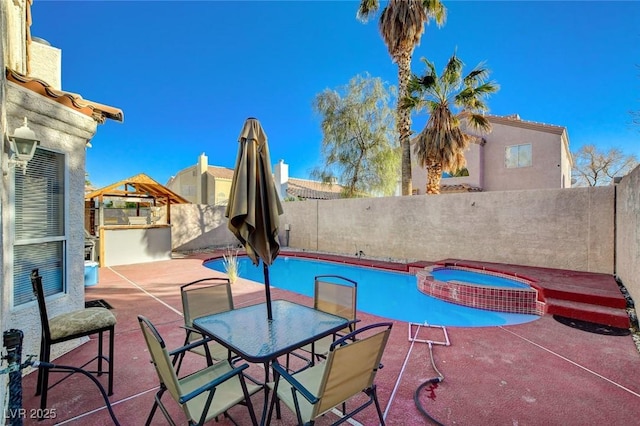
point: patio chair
(336, 295)
(205, 297)
(204, 394)
(69, 326)
(349, 369)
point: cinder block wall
(199, 226)
(554, 228)
(628, 233)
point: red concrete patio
(539, 373)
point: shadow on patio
(541, 372)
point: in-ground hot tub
(481, 288)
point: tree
(441, 145)
(358, 141)
(593, 167)
(401, 26)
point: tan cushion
(80, 321)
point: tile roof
(220, 172)
(463, 187)
(515, 120)
(98, 112)
(313, 190)
(298, 188)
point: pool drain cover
(100, 303)
(592, 327)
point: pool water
(445, 275)
(387, 294)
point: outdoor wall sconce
(22, 145)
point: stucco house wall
(185, 184)
(628, 233)
(66, 131)
(219, 191)
(61, 128)
(550, 167)
(546, 168)
(46, 62)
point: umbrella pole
(267, 288)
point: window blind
(39, 225)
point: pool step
(613, 317)
(609, 296)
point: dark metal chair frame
(320, 348)
(164, 362)
(350, 355)
(204, 288)
(47, 341)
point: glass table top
(247, 332)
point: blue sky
(187, 74)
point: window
(518, 156)
(222, 199)
(40, 240)
(188, 190)
(460, 173)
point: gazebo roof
(138, 186)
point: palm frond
(412, 103)
(443, 141)
(414, 85)
(476, 76)
(452, 71)
(366, 9)
(487, 88)
(436, 10)
(402, 25)
(479, 122)
(428, 81)
(431, 68)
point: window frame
(51, 287)
(517, 156)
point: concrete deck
(539, 373)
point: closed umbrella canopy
(254, 206)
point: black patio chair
(69, 326)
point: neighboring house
(303, 189)
(204, 184)
(517, 154)
(42, 208)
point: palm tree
(402, 25)
(441, 145)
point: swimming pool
(387, 294)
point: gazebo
(131, 220)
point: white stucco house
(205, 184)
(42, 208)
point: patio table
(248, 333)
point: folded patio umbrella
(254, 206)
